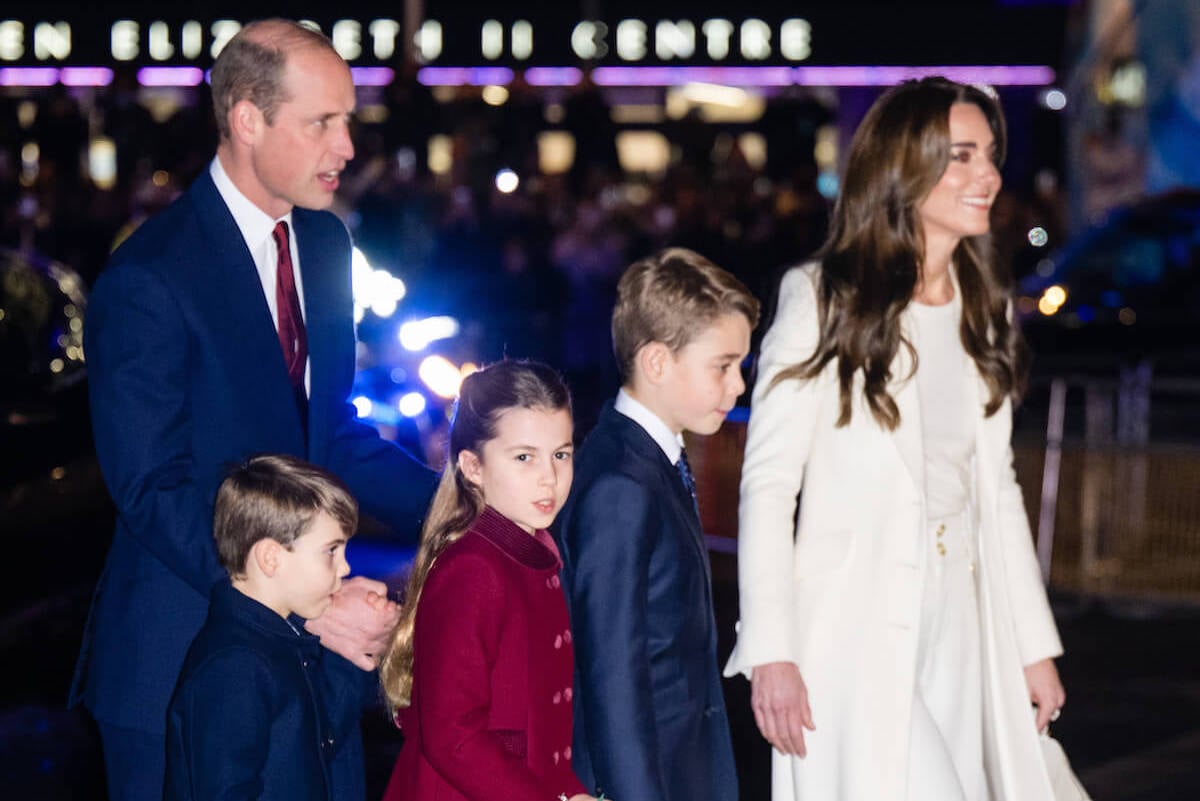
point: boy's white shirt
(670, 442)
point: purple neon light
(553, 76)
(170, 76)
(464, 76)
(642, 75)
(372, 76)
(888, 76)
(997, 75)
(677, 76)
(28, 76)
(85, 76)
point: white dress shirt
(670, 442)
(257, 229)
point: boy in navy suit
(650, 720)
(255, 711)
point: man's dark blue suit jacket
(186, 379)
(650, 720)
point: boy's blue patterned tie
(689, 482)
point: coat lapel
(909, 435)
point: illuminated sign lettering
(428, 40)
(587, 40)
(12, 39)
(52, 40)
(629, 40)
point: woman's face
(959, 204)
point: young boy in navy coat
(258, 712)
(650, 720)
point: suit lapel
(317, 290)
(231, 283)
(685, 511)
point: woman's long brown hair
(871, 261)
(483, 398)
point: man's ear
(471, 468)
(246, 120)
(652, 361)
(266, 555)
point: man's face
(296, 160)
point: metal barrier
(1117, 515)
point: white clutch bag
(1063, 781)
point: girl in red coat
(480, 670)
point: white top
(258, 229)
(947, 424)
(670, 442)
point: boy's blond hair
(275, 497)
(671, 297)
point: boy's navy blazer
(650, 720)
(187, 378)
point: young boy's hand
(359, 622)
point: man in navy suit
(222, 328)
(650, 720)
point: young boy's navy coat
(255, 713)
(650, 720)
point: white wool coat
(839, 593)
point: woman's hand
(1045, 690)
(780, 703)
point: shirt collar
(254, 223)
(670, 442)
(229, 602)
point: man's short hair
(275, 497)
(251, 66)
(671, 297)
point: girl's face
(959, 204)
(525, 471)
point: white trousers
(946, 744)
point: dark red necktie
(287, 302)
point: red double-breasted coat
(493, 666)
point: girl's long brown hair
(483, 398)
(871, 261)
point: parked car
(1128, 286)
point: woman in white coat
(896, 631)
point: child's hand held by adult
(358, 623)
